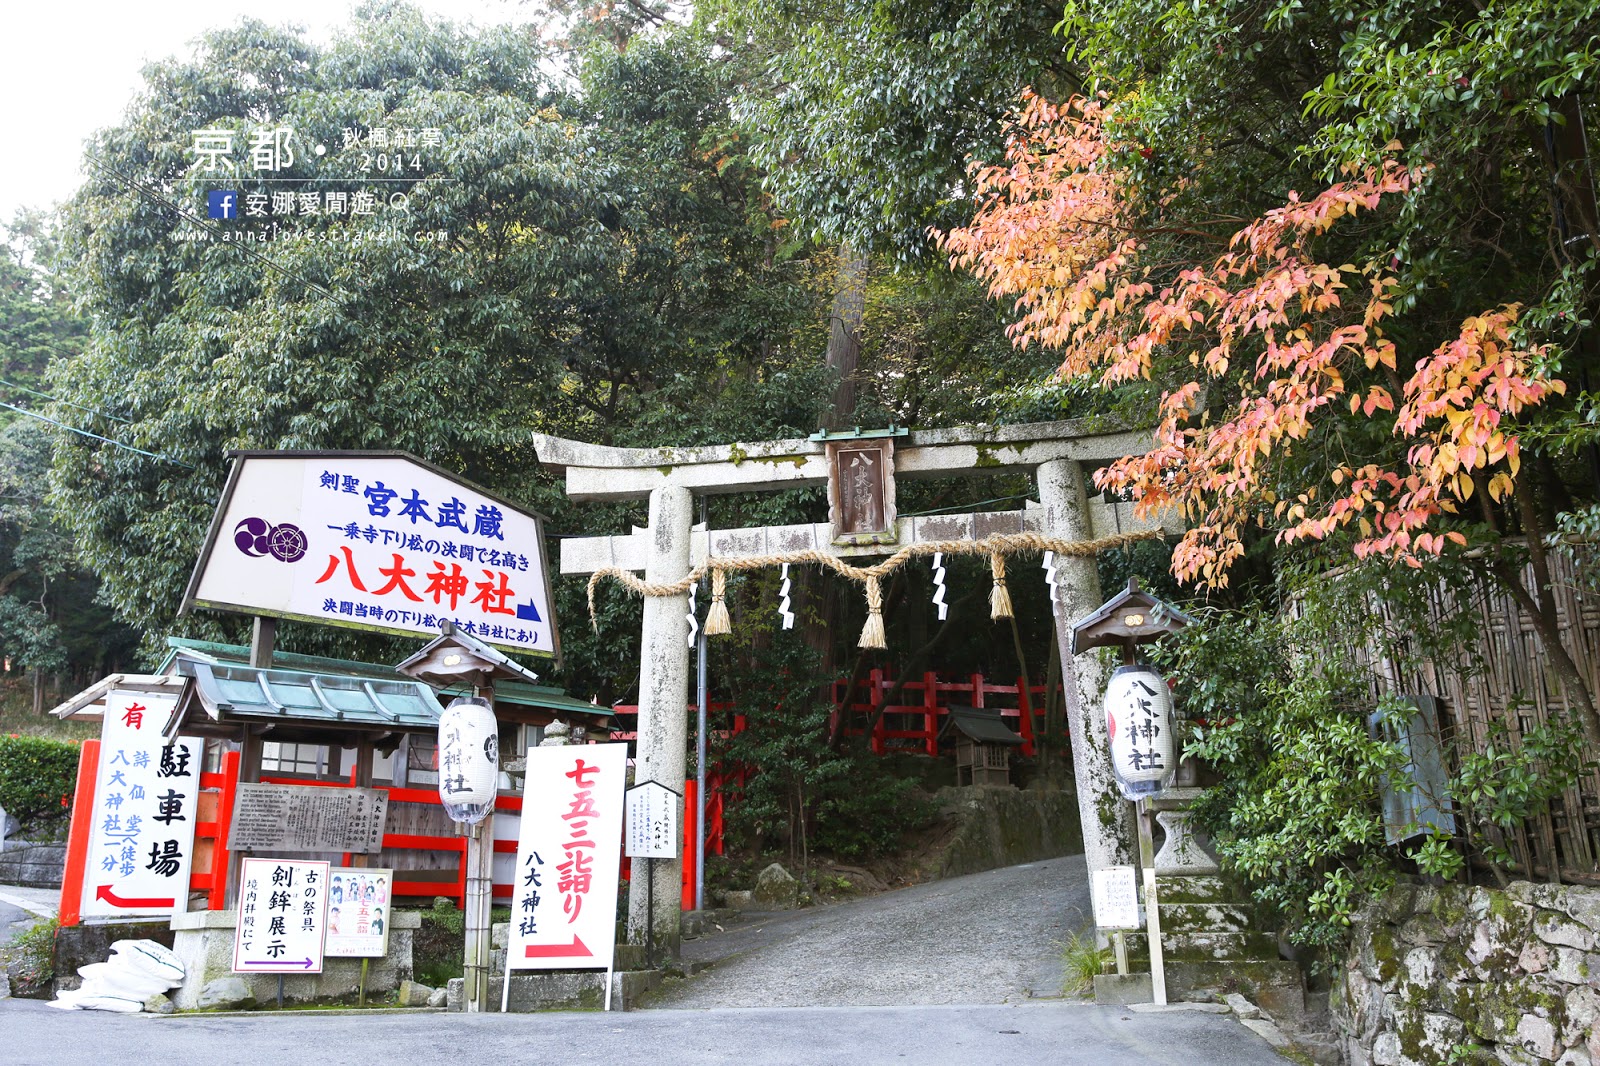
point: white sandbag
(119, 1004)
(150, 957)
(66, 1000)
(137, 970)
(118, 979)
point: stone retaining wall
(1465, 975)
(34, 865)
(1003, 826)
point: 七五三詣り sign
(569, 852)
(376, 541)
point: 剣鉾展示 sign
(283, 916)
(376, 541)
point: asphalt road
(13, 920)
(1058, 1034)
(994, 937)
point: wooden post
(217, 898)
(263, 638)
(479, 860)
(479, 891)
(249, 772)
(361, 777)
(1152, 906)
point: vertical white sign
(141, 843)
(564, 909)
(651, 826)
(1116, 898)
(359, 907)
(283, 910)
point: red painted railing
(919, 723)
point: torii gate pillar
(663, 694)
(1108, 832)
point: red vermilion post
(78, 834)
(691, 837)
(217, 898)
(930, 703)
(1025, 706)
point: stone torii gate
(667, 550)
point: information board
(358, 912)
(142, 839)
(283, 911)
(379, 541)
(569, 855)
(1116, 898)
(308, 818)
(650, 823)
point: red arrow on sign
(575, 950)
(104, 892)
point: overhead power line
(95, 436)
(69, 403)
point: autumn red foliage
(1264, 346)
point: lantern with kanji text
(469, 759)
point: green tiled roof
(547, 697)
(225, 691)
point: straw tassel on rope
(872, 632)
(717, 618)
(1000, 598)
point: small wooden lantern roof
(456, 657)
(1132, 616)
(980, 726)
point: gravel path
(994, 937)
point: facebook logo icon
(220, 204)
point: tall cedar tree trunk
(815, 587)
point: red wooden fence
(914, 727)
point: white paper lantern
(469, 759)
(1138, 707)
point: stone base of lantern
(1184, 850)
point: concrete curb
(37, 908)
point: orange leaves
(1057, 230)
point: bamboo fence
(1511, 682)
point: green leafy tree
(600, 264)
(801, 795)
(865, 113)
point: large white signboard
(1116, 898)
(564, 910)
(358, 912)
(375, 541)
(146, 792)
(283, 911)
(650, 830)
